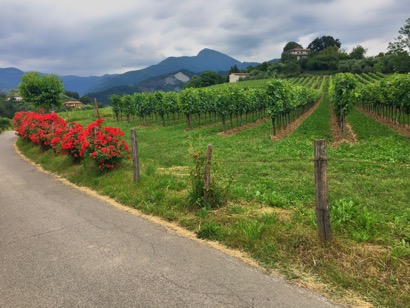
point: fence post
(96, 108)
(207, 172)
(322, 208)
(135, 159)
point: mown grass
(270, 212)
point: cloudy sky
(96, 37)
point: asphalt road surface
(60, 247)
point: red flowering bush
(21, 123)
(71, 142)
(104, 145)
(39, 128)
(52, 129)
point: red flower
(51, 131)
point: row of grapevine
(389, 98)
(285, 100)
(362, 80)
(313, 82)
(281, 100)
(386, 96)
(343, 94)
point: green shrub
(5, 123)
(210, 230)
(352, 219)
(198, 196)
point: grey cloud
(134, 35)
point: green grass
(270, 213)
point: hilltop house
(16, 97)
(234, 77)
(73, 104)
(300, 53)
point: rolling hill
(205, 60)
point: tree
(323, 62)
(72, 94)
(402, 42)
(7, 107)
(319, 44)
(291, 45)
(358, 52)
(42, 91)
(264, 66)
(286, 56)
(85, 100)
(206, 79)
(234, 69)
(327, 59)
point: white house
(73, 104)
(17, 98)
(234, 77)
(300, 53)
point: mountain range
(205, 60)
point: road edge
(315, 289)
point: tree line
(326, 56)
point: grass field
(271, 199)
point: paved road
(62, 248)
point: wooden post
(96, 108)
(207, 172)
(135, 159)
(322, 208)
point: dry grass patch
(179, 171)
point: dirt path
(402, 130)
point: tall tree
(358, 52)
(234, 69)
(402, 42)
(42, 91)
(319, 44)
(287, 57)
(291, 45)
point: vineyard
(283, 101)
(268, 212)
(279, 99)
